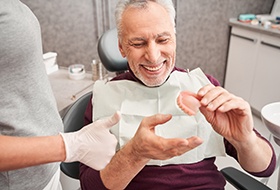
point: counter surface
(258, 28)
(66, 90)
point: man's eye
(137, 45)
(162, 41)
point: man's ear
(121, 49)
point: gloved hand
(93, 145)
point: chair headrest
(109, 53)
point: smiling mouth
(158, 67)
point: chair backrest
(73, 120)
(109, 53)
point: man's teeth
(153, 68)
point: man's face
(148, 42)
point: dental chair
(73, 120)
(113, 61)
(109, 53)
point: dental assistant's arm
(20, 152)
(93, 145)
(231, 117)
(145, 145)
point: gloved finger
(112, 120)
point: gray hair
(122, 5)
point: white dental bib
(136, 101)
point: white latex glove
(93, 145)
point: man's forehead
(152, 22)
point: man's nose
(152, 52)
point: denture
(188, 102)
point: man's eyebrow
(137, 39)
(164, 34)
(144, 39)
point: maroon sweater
(200, 175)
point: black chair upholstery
(109, 53)
(73, 120)
(242, 181)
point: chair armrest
(241, 180)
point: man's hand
(229, 115)
(146, 144)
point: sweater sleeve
(213, 80)
(88, 113)
(90, 178)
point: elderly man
(180, 153)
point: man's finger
(155, 120)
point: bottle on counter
(95, 70)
